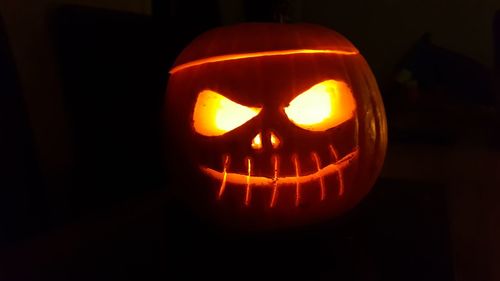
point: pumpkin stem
(281, 10)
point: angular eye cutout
(323, 106)
(215, 115)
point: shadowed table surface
(399, 232)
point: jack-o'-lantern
(281, 124)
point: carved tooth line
(260, 181)
(224, 178)
(297, 176)
(275, 181)
(320, 179)
(339, 171)
(249, 174)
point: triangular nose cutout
(275, 141)
(257, 142)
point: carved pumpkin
(282, 124)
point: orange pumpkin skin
(296, 175)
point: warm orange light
(324, 106)
(275, 181)
(257, 142)
(215, 115)
(224, 177)
(269, 182)
(257, 54)
(315, 157)
(335, 155)
(249, 175)
(275, 141)
(297, 177)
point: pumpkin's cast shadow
(314, 252)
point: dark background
(84, 180)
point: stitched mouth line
(261, 181)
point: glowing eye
(215, 114)
(324, 106)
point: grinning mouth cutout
(275, 182)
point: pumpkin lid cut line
(256, 55)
